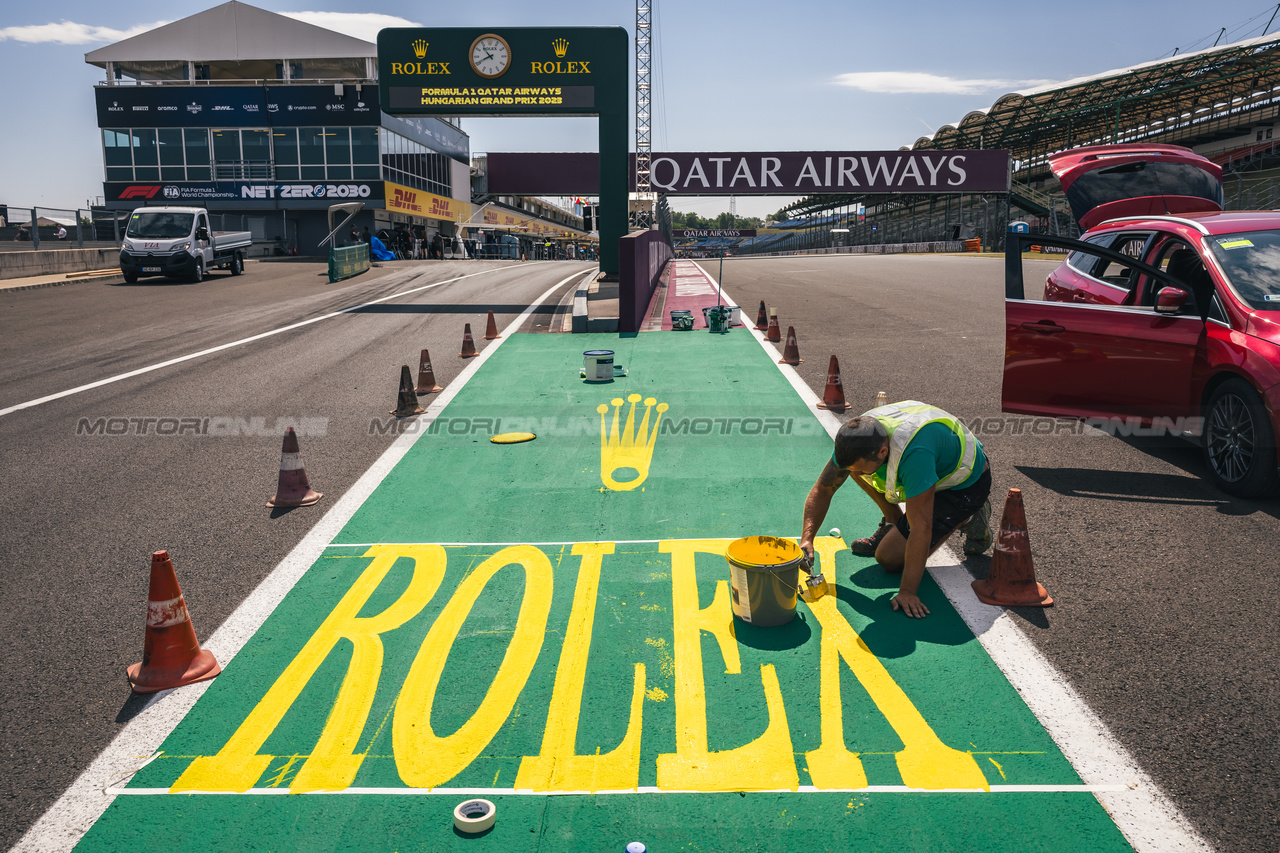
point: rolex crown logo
(561, 46)
(420, 48)
(631, 448)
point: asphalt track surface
(1166, 601)
(1166, 610)
(82, 513)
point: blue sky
(746, 75)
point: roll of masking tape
(474, 816)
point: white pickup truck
(176, 242)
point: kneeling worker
(918, 454)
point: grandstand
(1223, 102)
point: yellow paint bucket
(764, 572)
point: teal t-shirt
(933, 453)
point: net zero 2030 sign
(527, 71)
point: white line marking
(525, 792)
(62, 826)
(140, 371)
(1149, 820)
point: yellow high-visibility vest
(902, 421)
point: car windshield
(1251, 261)
(163, 226)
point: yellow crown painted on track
(420, 48)
(627, 448)
(561, 47)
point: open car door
(1096, 361)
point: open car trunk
(1109, 181)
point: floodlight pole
(643, 217)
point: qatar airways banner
(762, 173)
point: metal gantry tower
(643, 215)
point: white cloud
(921, 83)
(69, 32)
(360, 25)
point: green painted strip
(711, 823)
(724, 482)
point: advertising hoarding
(235, 106)
(415, 202)
(291, 194)
(701, 233)
(692, 173)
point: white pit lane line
(648, 790)
(68, 819)
(1149, 820)
(140, 371)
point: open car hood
(1108, 181)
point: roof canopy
(232, 32)
(1188, 99)
(1193, 99)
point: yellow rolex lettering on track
(521, 579)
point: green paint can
(764, 572)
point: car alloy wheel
(1231, 438)
(1239, 447)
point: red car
(1164, 317)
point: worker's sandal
(977, 532)
(867, 547)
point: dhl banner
(422, 203)
(502, 219)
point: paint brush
(815, 586)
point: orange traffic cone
(774, 334)
(468, 344)
(293, 488)
(1011, 581)
(407, 400)
(491, 330)
(791, 352)
(171, 654)
(762, 318)
(426, 376)
(833, 395)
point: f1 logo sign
(139, 192)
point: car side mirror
(1170, 300)
(202, 233)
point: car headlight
(181, 247)
(127, 246)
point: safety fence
(642, 255)
(348, 261)
(31, 227)
(878, 249)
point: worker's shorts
(953, 507)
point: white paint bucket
(737, 314)
(597, 365)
